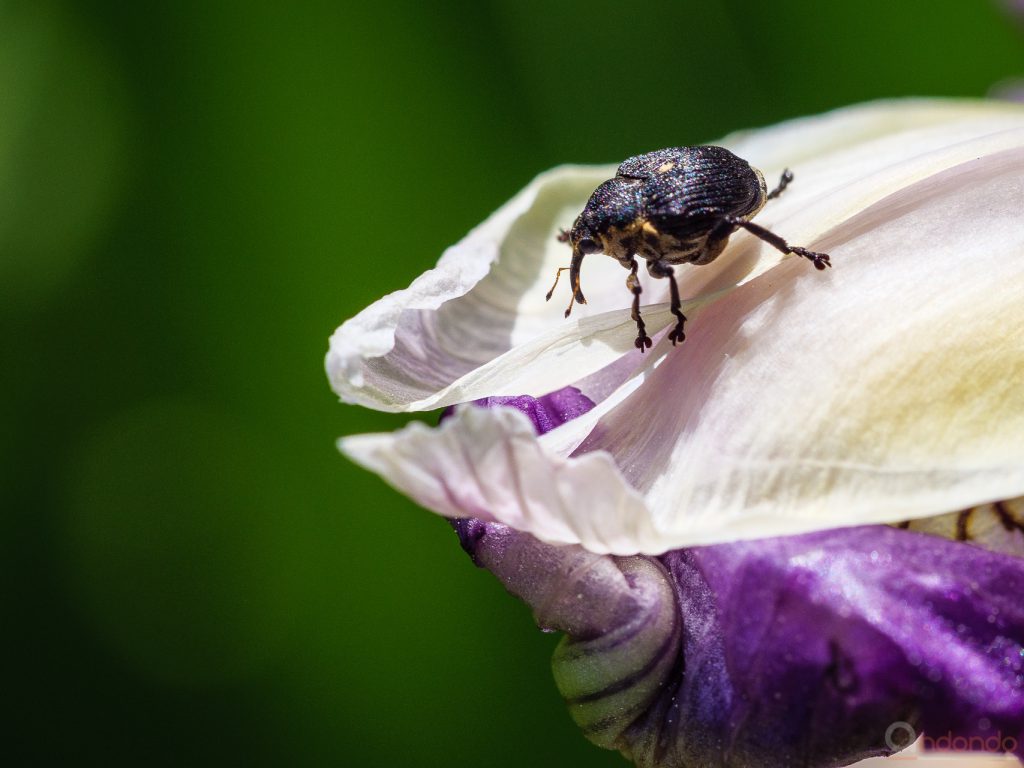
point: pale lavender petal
(621, 616)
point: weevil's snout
(574, 279)
(583, 242)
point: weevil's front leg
(643, 341)
(821, 260)
(661, 269)
(787, 176)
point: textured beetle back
(647, 165)
(703, 181)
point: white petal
(487, 464)
(804, 139)
(881, 390)
(887, 389)
(562, 355)
(464, 312)
(486, 296)
(841, 179)
(860, 175)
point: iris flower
(798, 537)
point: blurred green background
(192, 196)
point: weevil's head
(584, 241)
(605, 226)
(584, 238)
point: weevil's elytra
(672, 206)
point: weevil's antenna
(558, 274)
(574, 281)
(562, 237)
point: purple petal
(821, 642)
(547, 412)
(793, 651)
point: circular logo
(900, 735)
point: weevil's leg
(787, 176)
(643, 341)
(821, 260)
(558, 274)
(563, 235)
(661, 269)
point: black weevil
(672, 206)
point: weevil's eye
(587, 245)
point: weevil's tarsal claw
(787, 177)
(660, 269)
(820, 260)
(676, 335)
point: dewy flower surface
(884, 389)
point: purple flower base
(812, 650)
